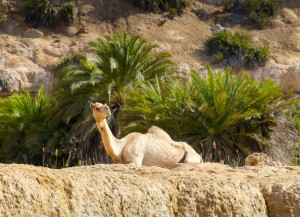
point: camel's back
(158, 133)
(160, 149)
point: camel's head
(100, 111)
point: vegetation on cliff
(236, 50)
(43, 13)
(175, 7)
(255, 13)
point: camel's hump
(160, 132)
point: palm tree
(117, 64)
(225, 113)
(24, 130)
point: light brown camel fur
(155, 148)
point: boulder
(289, 16)
(33, 33)
(260, 159)
(287, 75)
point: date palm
(117, 64)
(24, 129)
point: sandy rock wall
(27, 56)
(124, 190)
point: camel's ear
(92, 105)
(105, 104)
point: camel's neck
(112, 145)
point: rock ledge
(123, 190)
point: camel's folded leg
(192, 158)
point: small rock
(217, 28)
(57, 49)
(260, 159)
(162, 22)
(33, 33)
(82, 30)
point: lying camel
(155, 148)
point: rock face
(99, 18)
(283, 140)
(124, 190)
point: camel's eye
(97, 109)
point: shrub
(175, 7)
(24, 129)
(236, 49)
(257, 13)
(68, 13)
(234, 111)
(39, 12)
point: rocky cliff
(124, 190)
(26, 55)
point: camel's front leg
(138, 161)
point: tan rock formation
(123, 190)
(33, 33)
(260, 159)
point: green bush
(25, 129)
(175, 7)
(294, 115)
(40, 13)
(256, 13)
(68, 13)
(234, 111)
(236, 49)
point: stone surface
(33, 33)
(284, 140)
(124, 190)
(260, 159)
(289, 16)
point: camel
(155, 148)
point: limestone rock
(260, 159)
(217, 28)
(287, 75)
(124, 190)
(283, 140)
(33, 33)
(289, 16)
(28, 77)
(291, 79)
(282, 199)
